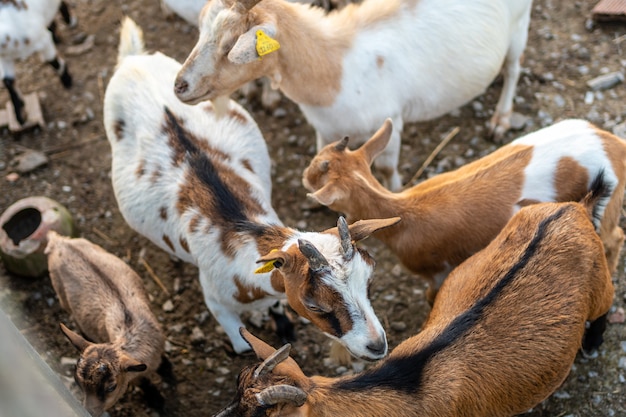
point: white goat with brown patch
(502, 335)
(348, 71)
(190, 10)
(199, 187)
(108, 302)
(447, 218)
(27, 27)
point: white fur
(437, 55)
(137, 96)
(23, 32)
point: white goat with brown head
(199, 187)
(108, 302)
(451, 216)
(27, 27)
(502, 335)
(351, 69)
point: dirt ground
(564, 51)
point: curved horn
(344, 235)
(317, 262)
(228, 411)
(343, 144)
(270, 363)
(281, 393)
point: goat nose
(377, 348)
(181, 86)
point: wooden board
(609, 11)
(34, 116)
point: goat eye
(111, 388)
(317, 309)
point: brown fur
(118, 129)
(107, 300)
(168, 242)
(441, 224)
(517, 352)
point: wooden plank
(609, 11)
(34, 116)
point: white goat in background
(199, 187)
(351, 69)
(190, 10)
(26, 27)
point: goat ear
(263, 351)
(77, 340)
(326, 195)
(131, 365)
(245, 49)
(274, 259)
(363, 228)
(378, 142)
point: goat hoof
(66, 80)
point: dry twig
(432, 156)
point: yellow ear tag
(265, 44)
(268, 266)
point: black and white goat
(27, 27)
(199, 187)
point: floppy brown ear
(364, 228)
(132, 365)
(377, 143)
(288, 367)
(77, 340)
(327, 195)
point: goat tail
(597, 198)
(131, 39)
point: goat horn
(343, 144)
(346, 241)
(281, 393)
(274, 359)
(228, 411)
(317, 262)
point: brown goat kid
(451, 216)
(502, 335)
(107, 300)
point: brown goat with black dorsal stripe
(108, 302)
(502, 336)
(447, 218)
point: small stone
(197, 335)
(358, 366)
(223, 370)
(562, 395)
(12, 177)
(66, 189)
(398, 326)
(168, 346)
(186, 362)
(622, 362)
(606, 81)
(29, 161)
(589, 97)
(341, 370)
(618, 317)
(518, 121)
(620, 130)
(66, 361)
(168, 306)
(279, 112)
(623, 345)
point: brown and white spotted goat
(108, 302)
(26, 27)
(502, 335)
(199, 187)
(447, 218)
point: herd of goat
(530, 231)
